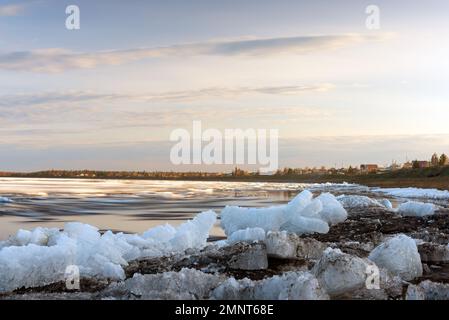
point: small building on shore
(423, 164)
(369, 168)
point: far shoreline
(384, 180)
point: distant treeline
(127, 174)
(108, 174)
(348, 174)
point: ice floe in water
(301, 215)
(5, 200)
(415, 193)
(40, 257)
(335, 187)
(416, 209)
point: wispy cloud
(11, 10)
(168, 96)
(219, 116)
(99, 117)
(83, 118)
(57, 60)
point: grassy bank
(437, 177)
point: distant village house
(369, 168)
(422, 164)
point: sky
(107, 96)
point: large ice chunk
(254, 257)
(386, 203)
(39, 236)
(304, 225)
(356, 201)
(194, 233)
(341, 273)
(237, 218)
(302, 215)
(247, 235)
(400, 256)
(283, 245)
(289, 286)
(332, 212)
(31, 265)
(312, 210)
(160, 233)
(298, 203)
(416, 209)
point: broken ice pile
(302, 215)
(40, 257)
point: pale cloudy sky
(107, 96)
